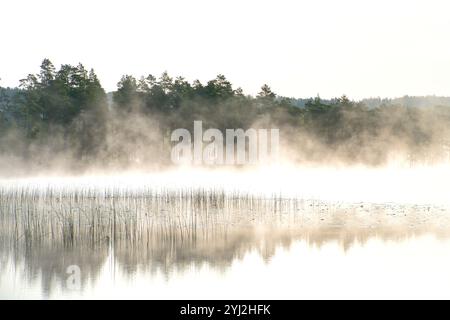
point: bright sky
(300, 48)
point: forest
(64, 119)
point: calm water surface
(204, 244)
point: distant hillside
(410, 102)
(406, 101)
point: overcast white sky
(301, 48)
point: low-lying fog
(418, 185)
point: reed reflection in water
(167, 233)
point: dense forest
(65, 119)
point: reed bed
(89, 216)
(47, 228)
(92, 215)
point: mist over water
(394, 184)
(90, 185)
(119, 179)
(138, 226)
(134, 229)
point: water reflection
(159, 233)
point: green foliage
(266, 93)
(126, 95)
(58, 97)
(69, 102)
(66, 110)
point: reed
(48, 228)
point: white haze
(301, 48)
(421, 186)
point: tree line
(67, 112)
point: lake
(160, 240)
